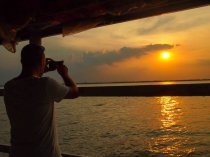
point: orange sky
(130, 51)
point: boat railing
(202, 89)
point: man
(29, 100)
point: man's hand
(73, 90)
(62, 70)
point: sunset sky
(130, 51)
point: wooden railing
(145, 90)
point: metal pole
(35, 38)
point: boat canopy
(22, 19)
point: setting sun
(165, 55)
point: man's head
(33, 58)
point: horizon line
(144, 81)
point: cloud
(83, 66)
(91, 66)
(78, 57)
(162, 21)
(169, 23)
(203, 62)
(110, 57)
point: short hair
(31, 55)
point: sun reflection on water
(169, 111)
(170, 138)
(167, 83)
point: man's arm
(73, 90)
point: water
(130, 126)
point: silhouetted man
(29, 100)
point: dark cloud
(83, 66)
(89, 67)
(110, 57)
(86, 66)
(203, 62)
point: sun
(165, 55)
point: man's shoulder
(48, 80)
(19, 81)
(51, 83)
(9, 83)
(45, 78)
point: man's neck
(28, 73)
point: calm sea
(130, 126)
